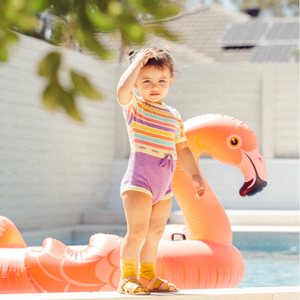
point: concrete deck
(266, 293)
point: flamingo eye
(234, 141)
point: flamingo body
(207, 259)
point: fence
(52, 168)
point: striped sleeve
(180, 135)
(129, 107)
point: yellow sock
(147, 271)
(128, 269)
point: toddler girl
(157, 139)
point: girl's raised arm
(128, 79)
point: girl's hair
(161, 57)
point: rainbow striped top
(153, 128)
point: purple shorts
(149, 174)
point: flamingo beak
(254, 169)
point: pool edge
(264, 293)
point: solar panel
(283, 31)
(244, 34)
(273, 53)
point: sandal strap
(162, 287)
(172, 287)
(131, 287)
(128, 286)
(151, 282)
(128, 279)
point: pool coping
(272, 218)
(260, 293)
(240, 220)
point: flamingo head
(232, 142)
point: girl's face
(153, 83)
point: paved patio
(266, 293)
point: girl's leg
(138, 207)
(158, 219)
(148, 252)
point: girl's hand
(143, 56)
(199, 186)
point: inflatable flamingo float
(205, 258)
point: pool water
(271, 258)
(265, 268)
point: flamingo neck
(205, 218)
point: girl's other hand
(199, 186)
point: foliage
(79, 23)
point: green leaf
(67, 101)
(10, 13)
(40, 5)
(136, 33)
(102, 4)
(17, 13)
(79, 36)
(3, 53)
(59, 30)
(100, 20)
(115, 8)
(132, 32)
(26, 22)
(11, 37)
(17, 4)
(62, 7)
(82, 85)
(55, 96)
(6, 39)
(87, 38)
(50, 95)
(48, 67)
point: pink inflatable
(204, 258)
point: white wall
(242, 91)
(51, 167)
(281, 193)
(286, 110)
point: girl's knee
(156, 232)
(137, 233)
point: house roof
(212, 34)
(203, 28)
(269, 40)
(201, 31)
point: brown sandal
(162, 288)
(128, 287)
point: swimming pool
(274, 268)
(271, 258)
